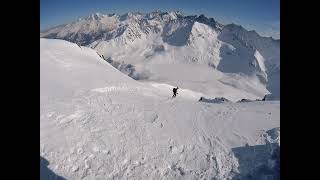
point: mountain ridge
(150, 41)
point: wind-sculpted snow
(98, 123)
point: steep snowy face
(209, 21)
(84, 31)
(164, 16)
(162, 40)
(176, 33)
(251, 54)
(63, 64)
(105, 27)
(204, 40)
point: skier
(175, 91)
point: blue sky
(260, 15)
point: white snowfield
(194, 52)
(98, 123)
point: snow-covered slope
(85, 30)
(77, 64)
(97, 123)
(161, 46)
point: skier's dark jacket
(174, 90)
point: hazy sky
(260, 15)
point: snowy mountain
(181, 50)
(98, 123)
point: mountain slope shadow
(258, 162)
(238, 60)
(179, 37)
(46, 173)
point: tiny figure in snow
(175, 91)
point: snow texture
(98, 123)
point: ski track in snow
(96, 157)
(137, 131)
